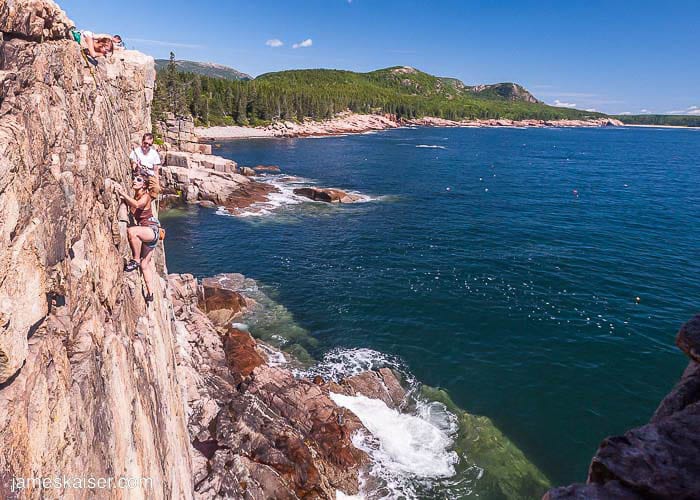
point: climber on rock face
(143, 237)
(145, 157)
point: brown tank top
(144, 216)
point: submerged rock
(507, 473)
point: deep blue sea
(502, 265)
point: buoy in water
(575, 192)
(448, 189)
(637, 300)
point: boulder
(241, 352)
(688, 338)
(657, 460)
(267, 168)
(206, 204)
(220, 300)
(382, 384)
(35, 20)
(327, 195)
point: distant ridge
(407, 80)
(206, 69)
(402, 92)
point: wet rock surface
(660, 459)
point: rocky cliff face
(87, 375)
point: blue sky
(612, 56)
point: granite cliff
(87, 371)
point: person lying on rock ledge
(93, 45)
(143, 237)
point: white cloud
(591, 110)
(690, 110)
(625, 113)
(274, 42)
(645, 111)
(306, 43)
(562, 104)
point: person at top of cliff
(144, 236)
(145, 158)
(93, 45)
(118, 42)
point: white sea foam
(407, 450)
(284, 196)
(431, 146)
(410, 451)
(339, 495)
(339, 363)
(274, 357)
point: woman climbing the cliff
(143, 237)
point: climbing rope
(112, 115)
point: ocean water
(502, 265)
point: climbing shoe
(149, 298)
(132, 265)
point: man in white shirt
(145, 156)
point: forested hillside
(322, 93)
(665, 120)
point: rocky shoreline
(353, 123)
(212, 181)
(280, 428)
